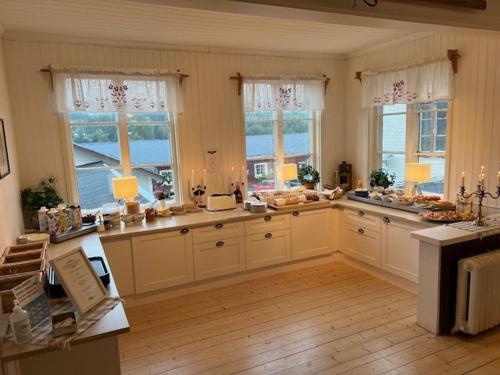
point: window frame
(279, 145)
(412, 145)
(125, 165)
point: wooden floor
(328, 319)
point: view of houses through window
(415, 134)
(108, 145)
(274, 138)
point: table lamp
(127, 188)
(418, 173)
(287, 172)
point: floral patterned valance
(419, 84)
(271, 95)
(117, 93)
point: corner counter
(441, 248)
(94, 351)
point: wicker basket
(17, 264)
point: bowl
(127, 219)
(139, 217)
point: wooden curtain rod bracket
(453, 56)
(238, 77)
(327, 81)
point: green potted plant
(308, 176)
(382, 178)
(43, 195)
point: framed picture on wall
(4, 155)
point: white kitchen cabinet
(311, 233)
(218, 258)
(162, 260)
(399, 250)
(361, 243)
(119, 256)
(267, 248)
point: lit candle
(232, 173)
(191, 182)
(463, 179)
(204, 182)
(498, 178)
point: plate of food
(445, 217)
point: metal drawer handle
(267, 218)
(386, 220)
(295, 213)
(268, 235)
(361, 231)
(184, 231)
(219, 243)
(219, 226)
(361, 213)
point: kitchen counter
(203, 218)
(391, 213)
(112, 324)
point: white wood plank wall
(475, 117)
(212, 117)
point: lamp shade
(417, 172)
(288, 172)
(125, 187)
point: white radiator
(478, 293)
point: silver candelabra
(480, 194)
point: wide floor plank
(327, 319)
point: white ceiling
(137, 21)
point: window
(108, 145)
(415, 133)
(278, 137)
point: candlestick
(480, 194)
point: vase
(309, 185)
(163, 204)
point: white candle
(204, 182)
(191, 182)
(463, 179)
(498, 178)
(232, 173)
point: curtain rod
(452, 55)
(51, 70)
(240, 79)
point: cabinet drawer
(265, 249)
(267, 223)
(219, 258)
(362, 244)
(362, 219)
(218, 231)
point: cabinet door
(162, 260)
(399, 250)
(310, 233)
(265, 249)
(219, 258)
(362, 244)
(119, 256)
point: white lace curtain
(419, 84)
(117, 93)
(272, 95)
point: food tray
(413, 209)
(73, 233)
(316, 204)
